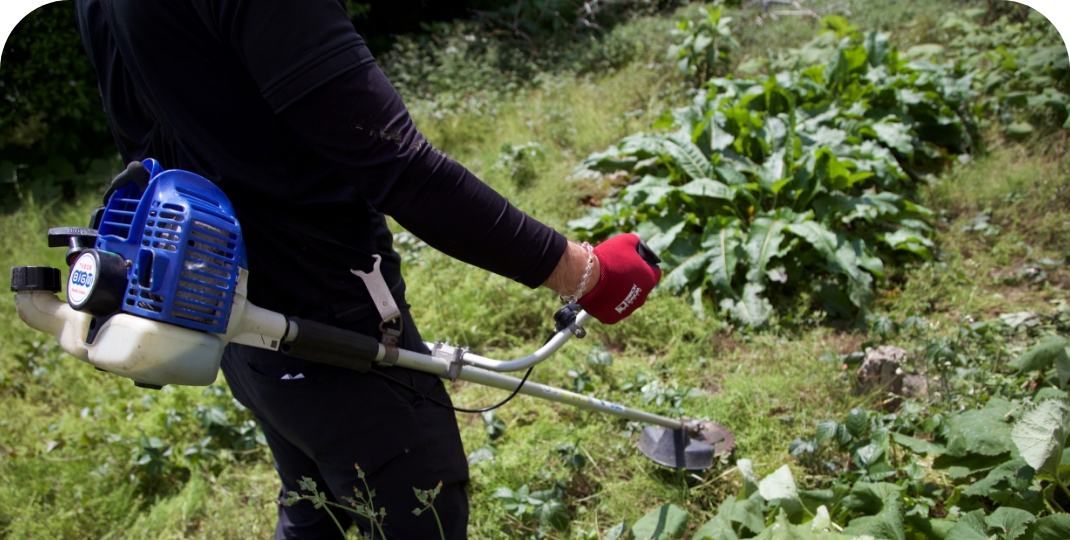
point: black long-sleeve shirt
(281, 104)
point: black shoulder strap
(163, 134)
(351, 257)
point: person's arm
(358, 122)
(352, 116)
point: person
(281, 104)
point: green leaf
(772, 171)
(722, 240)
(910, 240)
(868, 455)
(592, 220)
(763, 243)
(836, 303)
(868, 206)
(665, 121)
(689, 157)
(1062, 366)
(924, 51)
(480, 455)
(895, 135)
(750, 483)
(822, 519)
(868, 262)
(779, 186)
(1011, 475)
(782, 529)
(985, 431)
(1019, 130)
(831, 174)
(649, 190)
(704, 187)
(661, 241)
(1050, 393)
(857, 422)
(1053, 527)
(716, 529)
(697, 304)
(617, 532)
(749, 512)
(1041, 356)
(826, 431)
(751, 309)
(959, 467)
(555, 513)
(599, 357)
(837, 24)
(663, 523)
(687, 273)
(719, 138)
(1040, 435)
(730, 175)
(870, 497)
(933, 529)
(779, 485)
(877, 48)
(840, 256)
(1011, 521)
(917, 446)
(971, 526)
(887, 524)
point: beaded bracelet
(583, 281)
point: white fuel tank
(143, 350)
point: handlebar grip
(318, 342)
(134, 173)
(647, 254)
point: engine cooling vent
(118, 216)
(185, 248)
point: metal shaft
(439, 366)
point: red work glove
(626, 278)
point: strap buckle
(383, 300)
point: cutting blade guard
(692, 448)
(184, 244)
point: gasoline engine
(157, 282)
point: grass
(69, 433)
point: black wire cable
(448, 406)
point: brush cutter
(157, 288)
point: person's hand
(628, 271)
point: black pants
(331, 419)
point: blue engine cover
(185, 244)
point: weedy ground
(78, 448)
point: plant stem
(371, 508)
(335, 520)
(369, 517)
(344, 507)
(1054, 506)
(1060, 483)
(441, 533)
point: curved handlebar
(543, 353)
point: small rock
(915, 386)
(880, 371)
